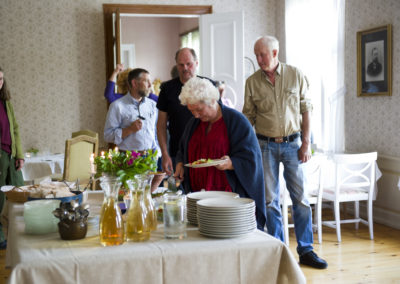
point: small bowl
(72, 230)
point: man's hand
(304, 153)
(133, 128)
(167, 164)
(136, 125)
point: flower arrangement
(125, 165)
(33, 150)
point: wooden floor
(4, 273)
(357, 259)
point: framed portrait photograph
(374, 62)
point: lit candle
(116, 149)
(102, 155)
(92, 163)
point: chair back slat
(355, 170)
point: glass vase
(137, 225)
(151, 218)
(111, 226)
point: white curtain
(315, 44)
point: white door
(222, 56)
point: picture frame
(374, 62)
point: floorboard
(357, 259)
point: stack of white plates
(226, 217)
(193, 197)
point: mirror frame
(109, 9)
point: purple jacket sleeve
(109, 92)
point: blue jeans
(272, 154)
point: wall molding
(387, 217)
(389, 164)
(382, 215)
(390, 168)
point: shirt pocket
(293, 99)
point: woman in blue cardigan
(219, 132)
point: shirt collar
(134, 101)
(278, 70)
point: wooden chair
(85, 132)
(77, 158)
(313, 179)
(354, 182)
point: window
(315, 44)
(191, 39)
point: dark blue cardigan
(247, 178)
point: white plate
(211, 220)
(206, 216)
(209, 164)
(220, 229)
(6, 188)
(227, 230)
(225, 203)
(160, 190)
(195, 196)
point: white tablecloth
(256, 258)
(42, 165)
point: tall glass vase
(149, 203)
(137, 226)
(111, 226)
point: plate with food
(202, 163)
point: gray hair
(198, 90)
(192, 51)
(270, 42)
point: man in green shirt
(276, 103)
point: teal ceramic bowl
(78, 197)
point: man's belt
(286, 139)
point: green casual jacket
(16, 148)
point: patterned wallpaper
(53, 55)
(372, 122)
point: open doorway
(113, 38)
(221, 43)
(151, 42)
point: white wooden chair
(354, 182)
(313, 179)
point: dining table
(254, 258)
(42, 165)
